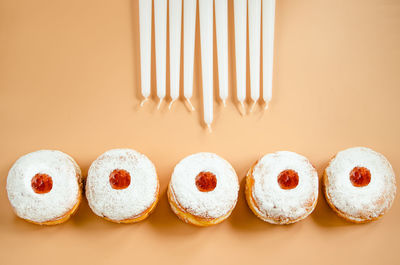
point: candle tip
(224, 102)
(170, 104)
(143, 101)
(191, 107)
(159, 103)
(266, 105)
(242, 108)
(252, 106)
(209, 128)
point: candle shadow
(232, 56)
(153, 82)
(181, 68)
(260, 102)
(134, 7)
(248, 88)
(216, 93)
(197, 76)
(168, 68)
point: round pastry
(44, 187)
(359, 184)
(282, 188)
(122, 186)
(203, 189)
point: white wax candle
(175, 20)
(160, 22)
(254, 49)
(240, 11)
(189, 29)
(221, 27)
(268, 22)
(145, 7)
(206, 43)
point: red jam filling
(288, 179)
(120, 179)
(206, 181)
(360, 176)
(42, 183)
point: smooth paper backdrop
(70, 80)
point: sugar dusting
(125, 203)
(277, 203)
(213, 204)
(64, 194)
(360, 202)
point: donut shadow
(29, 227)
(323, 215)
(164, 220)
(23, 226)
(84, 215)
(243, 218)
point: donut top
(205, 185)
(43, 185)
(285, 186)
(121, 184)
(360, 182)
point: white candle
(254, 49)
(175, 20)
(189, 29)
(221, 26)
(206, 43)
(268, 13)
(240, 11)
(160, 22)
(145, 7)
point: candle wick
(170, 104)
(191, 107)
(143, 101)
(252, 106)
(159, 103)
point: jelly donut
(203, 189)
(45, 187)
(282, 188)
(122, 186)
(359, 184)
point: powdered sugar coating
(63, 196)
(212, 204)
(360, 203)
(125, 203)
(277, 205)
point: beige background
(69, 80)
